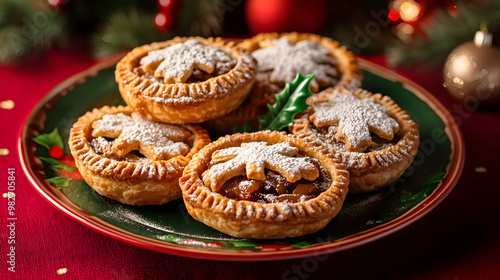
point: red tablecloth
(457, 240)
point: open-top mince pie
(264, 185)
(280, 57)
(130, 159)
(368, 132)
(186, 80)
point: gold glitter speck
(8, 194)
(7, 104)
(480, 169)
(4, 152)
(62, 271)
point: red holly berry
(163, 21)
(75, 175)
(56, 152)
(67, 160)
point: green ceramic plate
(170, 229)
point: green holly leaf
(289, 102)
(301, 244)
(430, 184)
(243, 128)
(407, 196)
(49, 140)
(59, 182)
(243, 244)
(56, 164)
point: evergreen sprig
(444, 32)
(24, 30)
(201, 17)
(123, 31)
(110, 27)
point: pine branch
(123, 31)
(24, 35)
(200, 17)
(127, 29)
(444, 32)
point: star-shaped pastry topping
(285, 60)
(253, 158)
(156, 141)
(355, 118)
(176, 63)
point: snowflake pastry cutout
(355, 118)
(253, 158)
(175, 64)
(156, 141)
(285, 60)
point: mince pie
(368, 132)
(280, 58)
(130, 159)
(264, 185)
(186, 80)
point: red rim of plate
(60, 202)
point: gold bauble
(472, 73)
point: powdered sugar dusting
(254, 158)
(329, 139)
(102, 146)
(355, 118)
(183, 99)
(285, 60)
(154, 140)
(177, 62)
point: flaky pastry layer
(128, 182)
(373, 170)
(350, 73)
(182, 103)
(262, 93)
(248, 219)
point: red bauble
(163, 21)
(167, 6)
(57, 4)
(268, 15)
(286, 15)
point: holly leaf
(243, 128)
(59, 182)
(289, 102)
(243, 244)
(49, 140)
(56, 164)
(301, 244)
(407, 196)
(430, 184)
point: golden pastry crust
(182, 103)
(369, 171)
(134, 183)
(350, 73)
(263, 91)
(247, 219)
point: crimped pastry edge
(262, 220)
(115, 178)
(351, 77)
(378, 168)
(214, 97)
(346, 61)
